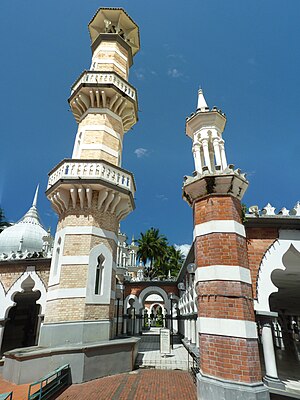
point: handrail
(91, 169)
(6, 396)
(102, 77)
(51, 383)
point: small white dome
(27, 234)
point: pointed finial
(132, 240)
(201, 105)
(34, 203)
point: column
(125, 318)
(217, 151)
(193, 331)
(271, 378)
(223, 155)
(137, 324)
(188, 329)
(206, 153)
(197, 333)
(2, 327)
(38, 328)
(197, 157)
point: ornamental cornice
(228, 182)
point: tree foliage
(159, 258)
(3, 221)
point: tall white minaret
(90, 192)
(205, 129)
(227, 333)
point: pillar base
(66, 333)
(273, 383)
(209, 388)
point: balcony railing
(95, 77)
(89, 169)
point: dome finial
(34, 203)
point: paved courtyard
(137, 385)
(157, 377)
(150, 357)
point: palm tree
(176, 259)
(3, 222)
(152, 246)
(160, 259)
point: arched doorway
(21, 327)
(154, 303)
(278, 307)
(286, 302)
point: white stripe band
(74, 260)
(219, 226)
(223, 273)
(227, 327)
(66, 293)
(88, 230)
(110, 61)
(111, 50)
(100, 146)
(107, 129)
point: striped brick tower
(229, 357)
(90, 192)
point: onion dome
(26, 235)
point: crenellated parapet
(269, 211)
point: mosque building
(70, 298)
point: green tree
(3, 221)
(160, 259)
(152, 247)
(175, 261)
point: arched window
(56, 260)
(99, 274)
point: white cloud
(176, 57)
(161, 197)
(141, 152)
(184, 248)
(140, 74)
(174, 73)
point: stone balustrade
(89, 169)
(95, 77)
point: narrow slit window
(99, 273)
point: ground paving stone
(138, 385)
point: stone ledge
(89, 361)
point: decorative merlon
(269, 211)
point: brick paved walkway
(137, 385)
(20, 392)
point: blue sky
(245, 55)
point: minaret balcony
(104, 90)
(91, 170)
(91, 184)
(93, 78)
